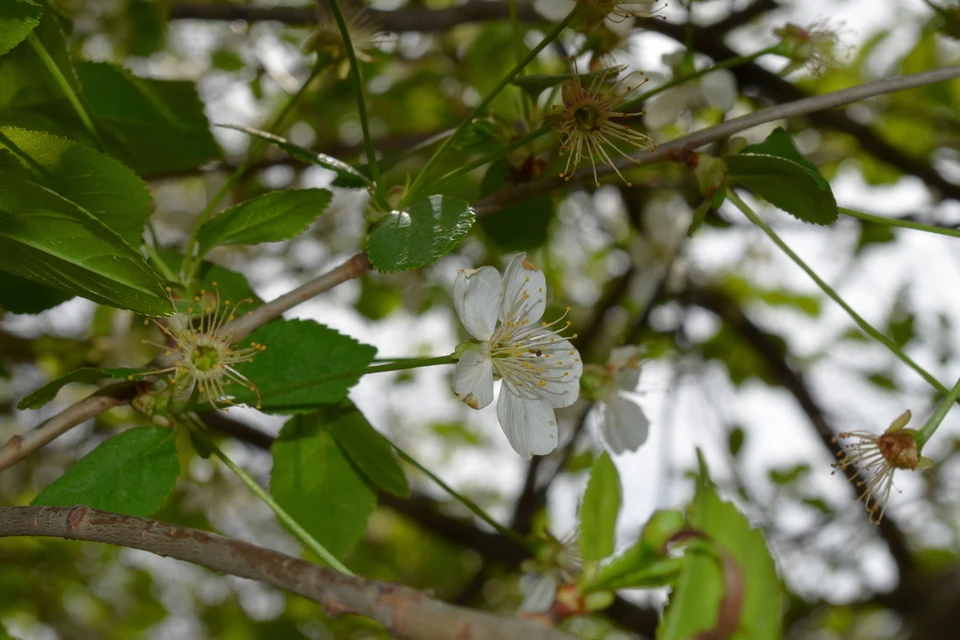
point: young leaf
(47, 239)
(316, 484)
(274, 216)
(154, 126)
(365, 447)
(695, 604)
(19, 295)
(419, 236)
(101, 186)
(49, 391)
(293, 373)
(131, 473)
(347, 176)
(776, 171)
(17, 19)
(599, 510)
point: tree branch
(411, 18)
(404, 612)
(20, 446)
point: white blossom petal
(530, 425)
(476, 297)
(719, 89)
(541, 592)
(665, 108)
(554, 10)
(626, 364)
(623, 425)
(473, 379)
(562, 390)
(524, 291)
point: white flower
(539, 368)
(556, 563)
(717, 89)
(622, 423)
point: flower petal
(623, 425)
(562, 376)
(473, 380)
(719, 88)
(625, 362)
(476, 297)
(524, 291)
(530, 425)
(541, 592)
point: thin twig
(404, 612)
(20, 446)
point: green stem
(64, 85)
(499, 153)
(158, 263)
(893, 222)
(930, 426)
(467, 502)
(282, 515)
(827, 289)
(361, 101)
(415, 188)
(190, 262)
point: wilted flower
(814, 47)
(539, 368)
(557, 562)
(327, 42)
(200, 353)
(622, 423)
(717, 89)
(876, 458)
(586, 123)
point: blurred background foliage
(739, 343)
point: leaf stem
(64, 85)
(827, 289)
(361, 101)
(904, 224)
(284, 517)
(474, 508)
(933, 423)
(417, 185)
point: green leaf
(599, 511)
(420, 235)
(293, 373)
(366, 448)
(316, 484)
(49, 391)
(155, 126)
(17, 19)
(776, 171)
(48, 239)
(19, 295)
(274, 216)
(131, 473)
(694, 605)
(348, 177)
(101, 186)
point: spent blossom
(200, 352)
(539, 368)
(876, 458)
(815, 47)
(586, 122)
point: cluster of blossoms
(586, 122)
(876, 458)
(539, 367)
(200, 351)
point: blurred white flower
(540, 369)
(557, 562)
(717, 89)
(622, 424)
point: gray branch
(404, 612)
